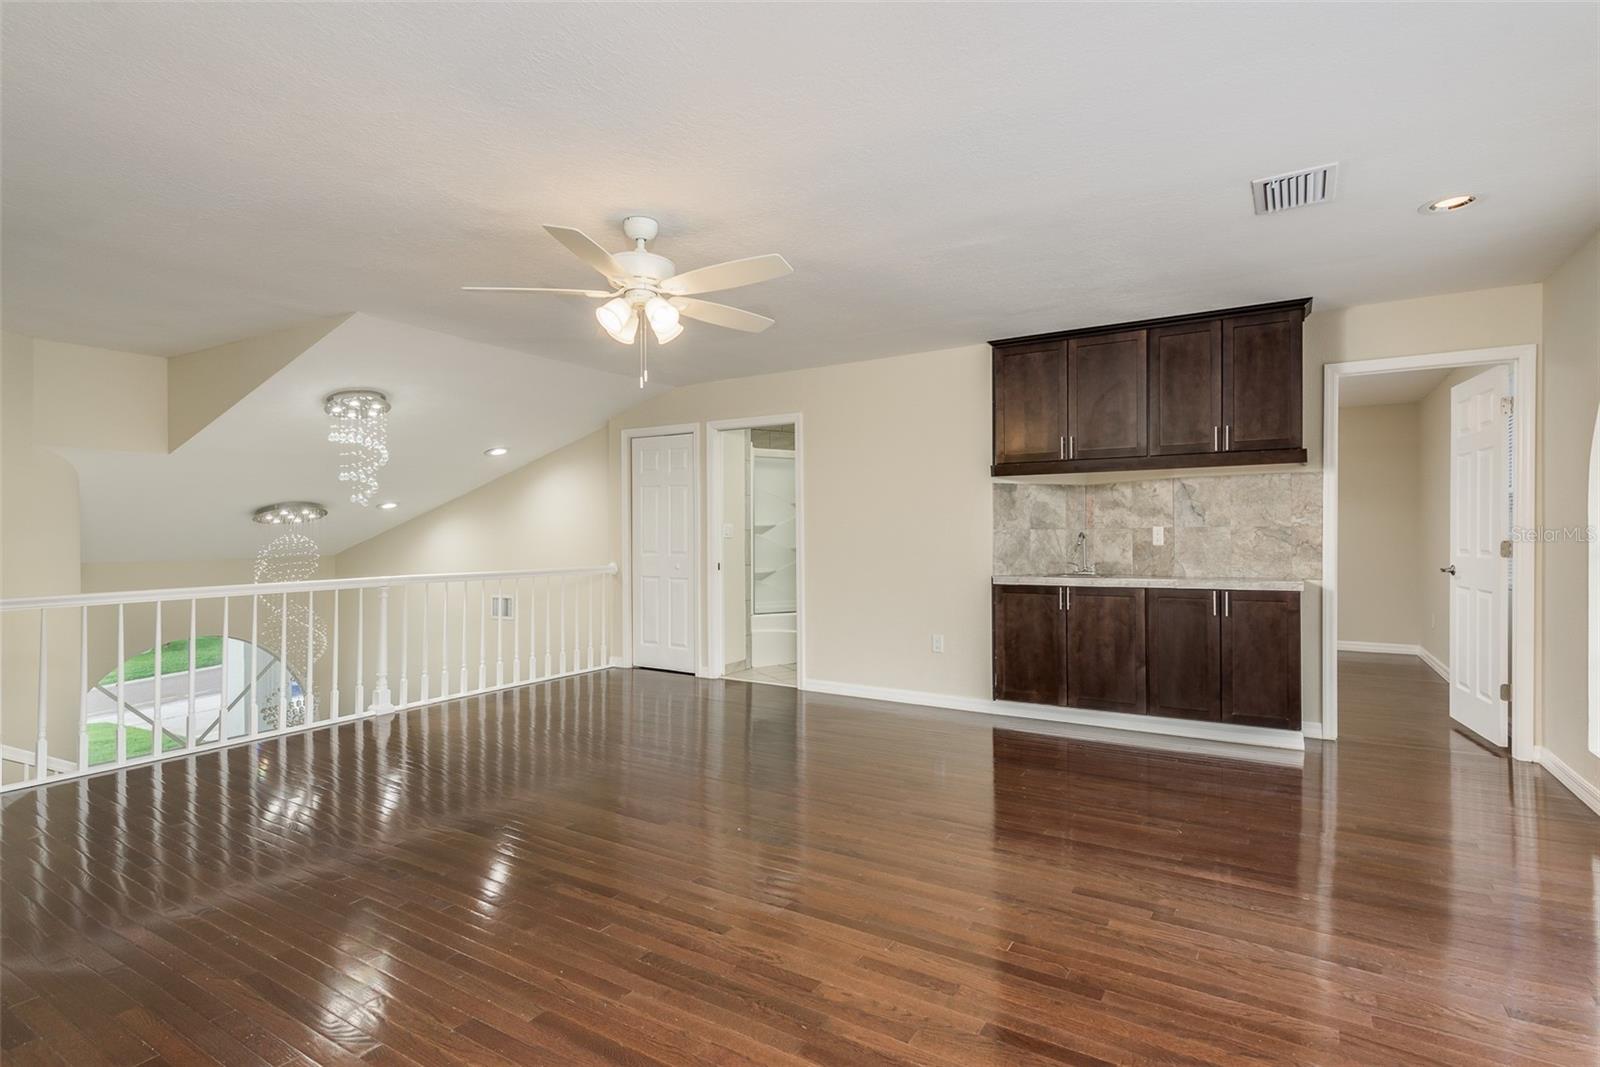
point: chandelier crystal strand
(358, 422)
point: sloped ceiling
(178, 176)
(452, 399)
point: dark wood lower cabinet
(1030, 643)
(1216, 656)
(1184, 646)
(1261, 658)
(1105, 649)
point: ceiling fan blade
(584, 247)
(729, 275)
(722, 315)
(525, 289)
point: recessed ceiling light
(497, 450)
(388, 505)
(1448, 204)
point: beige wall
(1569, 391)
(897, 522)
(1380, 524)
(98, 398)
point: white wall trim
(715, 666)
(1580, 787)
(625, 510)
(1312, 731)
(1523, 360)
(1109, 720)
(1389, 648)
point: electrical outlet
(938, 642)
(1158, 535)
(727, 531)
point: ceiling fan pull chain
(644, 369)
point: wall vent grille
(1302, 188)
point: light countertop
(1134, 582)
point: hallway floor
(642, 867)
(773, 674)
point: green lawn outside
(174, 660)
(103, 742)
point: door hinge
(1507, 405)
(1505, 690)
(1505, 549)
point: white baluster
(605, 633)
(422, 682)
(283, 662)
(563, 630)
(191, 735)
(160, 720)
(361, 651)
(591, 584)
(252, 714)
(333, 679)
(444, 640)
(463, 688)
(222, 698)
(405, 645)
(483, 636)
(516, 630)
(380, 688)
(499, 634)
(83, 690)
(547, 661)
(311, 657)
(41, 751)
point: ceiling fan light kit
(647, 286)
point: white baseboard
(1108, 720)
(1313, 730)
(1388, 648)
(1583, 789)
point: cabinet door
(1186, 388)
(1105, 649)
(1261, 659)
(1030, 414)
(1261, 381)
(1030, 643)
(1184, 645)
(1106, 396)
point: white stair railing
(73, 711)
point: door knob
(1450, 570)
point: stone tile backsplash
(1217, 526)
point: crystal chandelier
(286, 628)
(358, 422)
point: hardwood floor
(647, 868)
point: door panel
(1186, 388)
(1030, 635)
(664, 562)
(1105, 649)
(1261, 375)
(1184, 636)
(1479, 521)
(1030, 391)
(1261, 658)
(1107, 401)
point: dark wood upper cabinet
(1261, 658)
(1186, 388)
(1105, 649)
(1261, 371)
(1184, 649)
(1106, 395)
(1030, 643)
(1030, 403)
(1216, 389)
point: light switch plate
(727, 531)
(1158, 535)
(938, 642)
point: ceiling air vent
(1299, 189)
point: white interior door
(1480, 517)
(664, 578)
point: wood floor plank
(639, 867)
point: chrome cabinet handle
(1226, 612)
(1061, 598)
(1063, 447)
(1226, 434)
(1450, 570)
(1072, 451)
(1213, 439)
(1213, 603)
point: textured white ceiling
(452, 399)
(180, 175)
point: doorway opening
(1427, 494)
(755, 543)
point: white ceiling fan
(646, 286)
